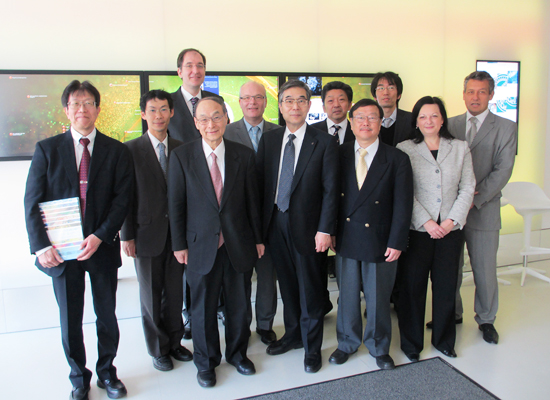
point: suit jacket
(196, 218)
(182, 125)
(493, 155)
(314, 191)
(348, 137)
(147, 223)
(237, 132)
(403, 127)
(378, 216)
(53, 175)
(442, 187)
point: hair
(365, 103)
(155, 94)
(391, 77)
(481, 76)
(337, 85)
(79, 87)
(443, 132)
(216, 99)
(182, 54)
(249, 82)
(294, 83)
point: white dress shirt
(371, 152)
(79, 148)
(480, 118)
(387, 122)
(298, 140)
(188, 96)
(220, 154)
(343, 127)
(155, 143)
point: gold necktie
(362, 169)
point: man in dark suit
(216, 230)
(105, 194)
(298, 174)
(493, 143)
(248, 131)
(372, 230)
(146, 236)
(387, 88)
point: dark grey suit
(266, 289)
(493, 154)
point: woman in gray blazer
(444, 184)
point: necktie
(162, 157)
(253, 133)
(335, 134)
(361, 170)
(473, 130)
(216, 176)
(386, 122)
(83, 175)
(194, 101)
(287, 173)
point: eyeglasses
(249, 98)
(361, 119)
(204, 121)
(190, 66)
(382, 88)
(290, 102)
(75, 105)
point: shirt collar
(188, 96)
(248, 126)
(393, 116)
(219, 151)
(480, 118)
(155, 142)
(77, 135)
(343, 124)
(372, 149)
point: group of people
(394, 194)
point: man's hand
(90, 245)
(261, 250)
(181, 256)
(322, 242)
(50, 258)
(435, 231)
(129, 248)
(333, 243)
(392, 254)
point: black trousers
(302, 281)
(424, 258)
(69, 290)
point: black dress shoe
(187, 326)
(267, 336)
(244, 367)
(181, 354)
(448, 353)
(430, 325)
(282, 346)
(187, 335)
(163, 363)
(339, 357)
(413, 357)
(79, 393)
(490, 334)
(312, 363)
(115, 388)
(385, 362)
(206, 378)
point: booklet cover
(63, 224)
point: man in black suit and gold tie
(146, 235)
(372, 230)
(298, 174)
(83, 163)
(216, 230)
(248, 131)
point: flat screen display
(31, 110)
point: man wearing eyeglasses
(372, 230)
(215, 223)
(98, 170)
(298, 172)
(248, 131)
(386, 89)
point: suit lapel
(460, 132)
(243, 134)
(445, 147)
(308, 145)
(423, 150)
(98, 156)
(349, 136)
(199, 166)
(149, 157)
(274, 153)
(232, 165)
(66, 152)
(484, 129)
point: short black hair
(337, 85)
(443, 132)
(391, 77)
(294, 83)
(79, 87)
(217, 99)
(184, 52)
(365, 103)
(155, 94)
(481, 76)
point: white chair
(528, 200)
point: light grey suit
(493, 153)
(266, 290)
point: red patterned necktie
(216, 176)
(83, 175)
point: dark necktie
(194, 101)
(335, 134)
(83, 175)
(162, 157)
(287, 173)
(216, 176)
(473, 130)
